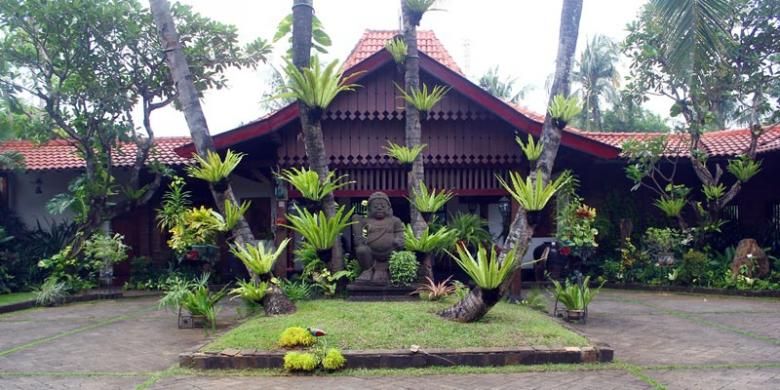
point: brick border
(480, 357)
(69, 299)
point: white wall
(29, 206)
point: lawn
(398, 325)
(7, 299)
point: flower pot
(575, 315)
(189, 321)
(325, 255)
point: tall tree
(275, 302)
(474, 306)
(502, 88)
(597, 77)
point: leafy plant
(485, 270)
(333, 360)
(234, 212)
(106, 250)
(422, 99)
(175, 203)
(433, 291)
(531, 149)
(403, 268)
(250, 291)
(177, 288)
(533, 195)
(694, 266)
(744, 168)
(320, 39)
(563, 110)
(535, 300)
(298, 290)
(427, 242)
(213, 168)
(574, 297)
(199, 226)
(300, 361)
(461, 290)
(315, 86)
(404, 154)
(327, 282)
(51, 292)
(713, 192)
(429, 202)
(257, 258)
(296, 336)
(319, 230)
(199, 301)
(308, 183)
(671, 207)
(398, 49)
(470, 228)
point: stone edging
(69, 299)
(695, 290)
(481, 357)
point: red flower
(565, 251)
(192, 255)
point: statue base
(372, 292)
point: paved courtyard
(674, 341)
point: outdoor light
(505, 207)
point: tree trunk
(187, 96)
(412, 128)
(474, 306)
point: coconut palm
(597, 77)
(502, 88)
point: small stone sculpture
(377, 237)
(750, 255)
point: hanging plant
(398, 49)
(404, 154)
(563, 110)
(214, 169)
(308, 183)
(422, 99)
(531, 149)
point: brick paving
(672, 339)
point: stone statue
(750, 255)
(376, 238)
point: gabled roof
(373, 41)
(61, 154)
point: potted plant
(428, 202)
(427, 243)
(533, 194)
(661, 244)
(404, 154)
(575, 297)
(575, 232)
(320, 231)
(257, 258)
(214, 169)
(423, 99)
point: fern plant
(316, 86)
(404, 154)
(533, 195)
(670, 206)
(257, 258)
(429, 242)
(234, 212)
(713, 192)
(531, 149)
(398, 49)
(319, 230)
(744, 168)
(421, 98)
(213, 168)
(563, 110)
(485, 270)
(429, 201)
(307, 182)
(470, 228)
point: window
(731, 212)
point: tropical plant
(429, 242)
(403, 268)
(713, 192)
(573, 296)
(295, 290)
(671, 207)
(398, 49)
(319, 230)
(51, 292)
(327, 282)
(433, 291)
(175, 202)
(213, 168)
(563, 110)
(11, 160)
(531, 149)
(461, 290)
(404, 154)
(333, 360)
(429, 201)
(300, 361)
(485, 270)
(177, 289)
(199, 226)
(575, 228)
(419, 7)
(320, 40)
(535, 300)
(308, 183)
(199, 301)
(233, 213)
(315, 86)
(596, 74)
(744, 168)
(106, 249)
(502, 89)
(296, 336)
(257, 258)
(250, 291)
(421, 98)
(533, 195)
(470, 228)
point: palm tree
(597, 77)
(502, 89)
(275, 302)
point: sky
(519, 36)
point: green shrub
(296, 336)
(334, 360)
(300, 361)
(574, 297)
(694, 266)
(298, 290)
(51, 292)
(403, 268)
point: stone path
(674, 341)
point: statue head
(379, 206)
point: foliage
(403, 268)
(315, 86)
(398, 49)
(433, 291)
(573, 296)
(64, 267)
(199, 301)
(175, 203)
(177, 290)
(257, 258)
(502, 89)
(693, 267)
(105, 249)
(298, 290)
(300, 361)
(320, 39)
(533, 195)
(250, 291)
(486, 271)
(327, 282)
(51, 292)
(296, 336)
(663, 240)
(743, 168)
(461, 290)
(213, 168)
(564, 109)
(234, 213)
(469, 228)
(308, 183)
(421, 98)
(442, 239)
(319, 230)
(420, 6)
(429, 202)
(198, 226)
(575, 227)
(671, 207)
(535, 300)
(713, 192)
(596, 74)
(628, 115)
(531, 149)
(404, 154)
(333, 360)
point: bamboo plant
(308, 183)
(404, 154)
(317, 229)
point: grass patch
(398, 325)
(7, 299)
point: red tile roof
(374, 40)
(61, 154)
